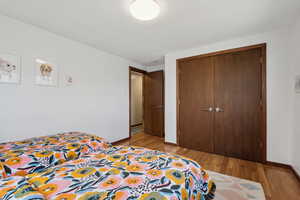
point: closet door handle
(219, 109)
(210, 109)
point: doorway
(146, 102)
(137, 101)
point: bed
(114, 172)
(40, 153)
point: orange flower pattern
(38, 154)
(16, 188)
(115, 173)
(139, 174)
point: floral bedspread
(2, 172)
(38, 154)
(16, 187)
(125, 173)
(77, 166)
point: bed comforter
(37, 154)
(114, 173)
(16, 187)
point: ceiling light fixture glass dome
(144, 9)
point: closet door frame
(263, 129)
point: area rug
(231, 188)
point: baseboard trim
(120, 141)
(296, 174)
(286, 166)
(170, 143)
(276, 164)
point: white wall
(295, 55)
(96, 103)
(279, 89)
(136, 98)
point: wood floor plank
(278, 183)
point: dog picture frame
(10, 68)
(46, 73)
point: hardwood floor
(278, 183)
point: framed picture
(46, 73)
(10, 68)
(297, 84)
(69, 80)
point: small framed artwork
(297, 84)
(69, 80)
(10, 68)
(46, 73)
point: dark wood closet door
(238, 96)
(154, 103)
(195, 87)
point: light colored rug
(231, 188)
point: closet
(221, 103)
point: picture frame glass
(46, 73)
(10, 68)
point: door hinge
(261, 60)
(261, 144)
(180, 72)
(261, 105)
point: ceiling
(107, 24)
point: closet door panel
(238, 97)
(195, 98)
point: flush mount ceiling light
(144, 9)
